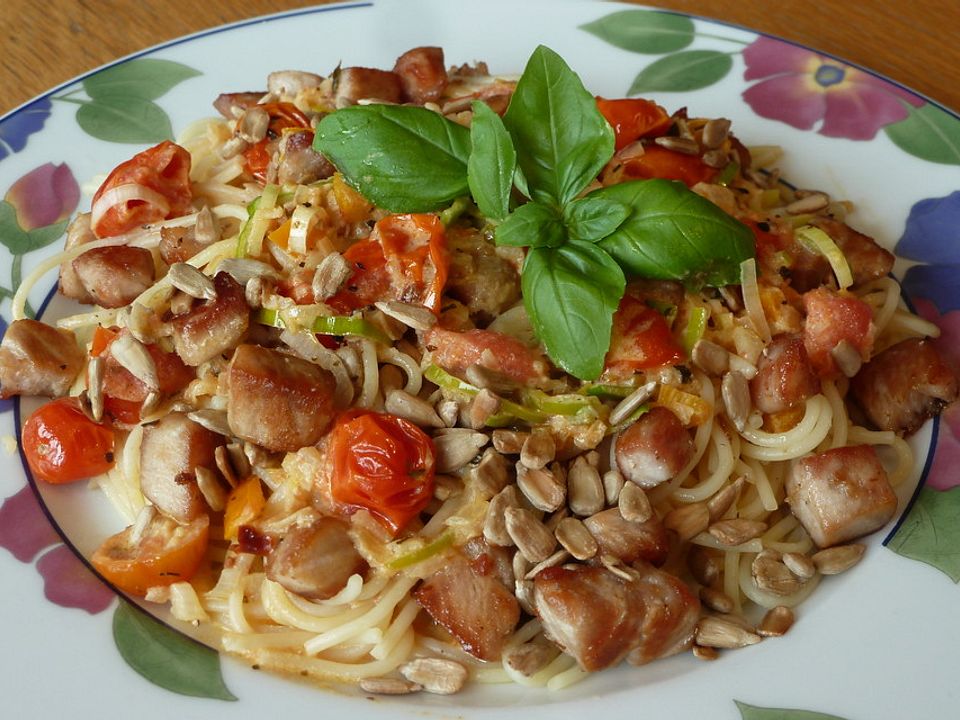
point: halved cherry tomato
(62, 444)
(634, 118)
(833, 317)
(162, 554)
(415, 248)
(283, 116)
(244, 504)
(382, 463)
(641, 339)
(165, 169)
(658, 162)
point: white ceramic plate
(881, 641)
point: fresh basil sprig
(550, 145)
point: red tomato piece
(641, 339)
(832, 318)
(163, 553)
(382, 463)
(415, 249)
(283, 116)
(165, 169)
(62, 444)
(456, 351)
(658, 162)
(369, 282)
(634, 118)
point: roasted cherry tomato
(634, 118)
(162, 553)
(164, 169)
(369, 282)
(382, 463)
(641, 338)
(415, 248)
(283, 116)
(62, 444)
(658, 162)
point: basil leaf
(492, 162)
(674, 234)
(561, 138)
(570, 294)
(403, 159)
(532, 225)
(593, 218)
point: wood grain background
(43, 44)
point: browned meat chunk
(299, 163)
(654, 449)
(358, 83)
(422, 73)
(905, 385)
(179, 244)
(599, 618)
(119, 383)
(472, 604)
(784, 376)
(840, 494)
(486, 558)
(213, 327)
(868, 261)
(479, 278)
(629, 541)
(78, 233)
(114, 276)
(226, 102)
(172, 449)
(315, 561)
(278, 401)
(37, 359)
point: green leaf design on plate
(682, 71)
(931, 531)
(167, 658)
(928, 133)
(644, 31)
(752, 712)
(124, 119)
(19, 241)
(144, 78)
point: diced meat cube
(227, 102)
(784, 376)
(840, 494)
(119, 383)
(422, 74)
(600, 618)
(359, 83)
(654, 449)
(315, 561)
(114, 276)
(832, 318)
(627, 540)
(905, 385)
(868, 261)
(179, 244)
(278, 401)
(486, 558)
(37, 359)
(171, 451)
(479, 278)
(299, 163)
(456, 351)
(78, 233)
(471, 604)
(213, 327)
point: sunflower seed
(487, 379)
(531, 536)
(331, 274)
(721, 502)
(495, 521)
(687, 146)
(456, 447)
(389, 686)
(206, 231)
(482, 407)
(800, 565)
(142, 323)
(810, 203)
(186, 278)
(715, 132)
(233, 147)
(585, 489)
(224, 464)
(710, 357)
(735, 391)
(631, 402)
(449, 412)
(847, 358)
(490, 474)
(529, 658)
(253, 124)
(717, 632)
(614, 565)
(705, 653)
(134, 357)
(416, 316)
(538, 450)
(210, 488)
(95, 371)
(558, 558)
(212, 420)
(441, 677)
(776, 622)
(523, 589)
(772, 575)
(736, 531)
(575, 537)
(244, 269)
(541, 487)
(705, 565)
(613, 484)
(836, 560)
(412, 408)
(716, 600)
(509, 442)
(688, 520)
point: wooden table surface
(45, 43)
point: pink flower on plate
(26, 532)
(46, 195)
(802, 88)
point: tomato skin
(634, 118)
(63, 445)
(283, 116)
(159, 558)
(658, 162)
(164, 168)
(382, 463)
(641, 339)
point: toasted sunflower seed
(134, 357)
(614, 565)
(221, 456)
(558, 558)
(449, 412)
(538, 450)
(531, 536)
(186, 278)
(631, 402)
(810, 203)
(244, 269)
(717, 632)
(212, 420)
(529, 658)
(206, 231)
(705, 653)
(509, 442)
(613, 484)
(800, 565)
(705, 565)
(95, 371)
(253, 124)
(490, 474)
(687, 146)
(710, 357)
(389, 686)
(210, 488)
(541, 487)
(715, 132)
(716, 600)
(634, 504)
(438, 676)
(330, 275)
(776, 622)
(584, 488)
(836, 560)
(575, 537)
(487, 379)
(495, 521)
(735, 391)
(523, 589)
(721, 502)
(736, 531)
(773, 576)
(233, 147)
(415, 316)
(456, 447)
(412, 408)
(688, 520)
(482, 407)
